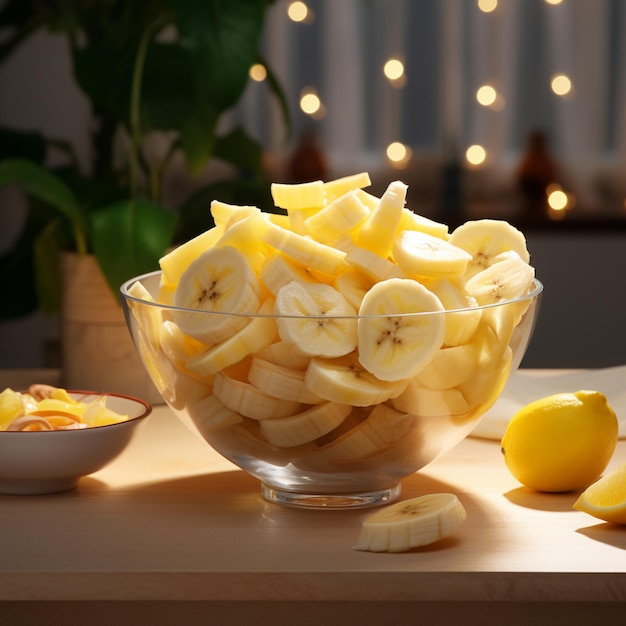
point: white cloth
(528, 385)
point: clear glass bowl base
(330, 500)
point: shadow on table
(611, 534)
(530, 499)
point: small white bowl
(40, 462)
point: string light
(311, 104)
(554, 2)
(486, 95)
(298, 12)
(393, 69)
(398, 154)
(258, 72)
(476, 155)
(487, 6)
(561, 84)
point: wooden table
(172, 533)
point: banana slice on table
(394, 346)
(486, 240)
(219, 281)
(421, 254)
(316, 318)
(314, 422)
(411, 523)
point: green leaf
(105, 73)
(129, 238)
(40, 183)
(198, 138)
(222, 40)
(240, 149)
(47, 271)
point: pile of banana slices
(296, 330)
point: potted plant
(166, 68)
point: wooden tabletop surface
(172, 520)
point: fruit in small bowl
(334, 350)
(48, 443)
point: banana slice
(421, 254)
(414, 221)
(330, 224)
(260, 331)
(281, 382)
(411, 523)
(227, 214)
(210, 414)
(394, 346)
(340, 186)
(278, 270)
(243, 232)
(304, 250)
(285, 354)
(344, 381)
(314, 422)
(247, 400)
(460, 325)
(505, 280)
(382, 428)
(175, 263)
(486, 240)
(450, 367)
(379, 229)
(299, 196)
(219, 281)
(375, 267)
(317, 318)
(353, 284)
(426, 402)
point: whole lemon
(561, 442)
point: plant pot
(97, 351)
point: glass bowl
(264, 406)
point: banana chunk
(411, 523)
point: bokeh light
(398, 154)
(561, 84)
(393, 69)
(476, 155)
(487, 6)
(487, 95)
(298, 11)
(258, 72)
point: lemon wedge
(562, 442)
(606, 498)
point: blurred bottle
(535, 172)
(308, 161)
